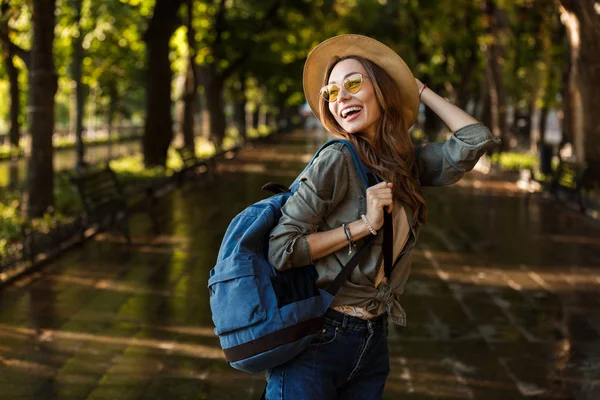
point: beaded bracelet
(351, 242)
(366, 221)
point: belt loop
(345, 321)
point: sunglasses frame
(323, 89)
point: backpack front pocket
(234, 297)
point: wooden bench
(105, 202)
(566, 183)
(192, 165)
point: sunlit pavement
(502, 302)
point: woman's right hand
(379, 198)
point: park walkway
(502, 302)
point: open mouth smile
(349, 113)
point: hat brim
(341, 46)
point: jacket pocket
(234, 297)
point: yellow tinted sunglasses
(352, 84)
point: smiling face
(359, 112)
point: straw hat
(374, 51)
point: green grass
(515, 161)
(417, 134)
(67, 201)
(61, 143)
(203, 147)
(6, 151)
(12, 222)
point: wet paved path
(502, 302)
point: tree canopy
(505, 61)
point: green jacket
(332, 193)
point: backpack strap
(388, 233)
(388, 244)
(344, 274)
(275, 188)
(388, 247)
(362, 169)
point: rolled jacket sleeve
(322, 187)
(441, 164)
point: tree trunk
(543, 123)
(42, 88)
(13, 174)
(262, 115)
(110, 114)
(574, 106)
(494, 74)
(565, 90)
(547, 101)
(467, 85)
(431, 125)
(189, 107)
(15, 102)
(543, 149)
(249, 120)
(158, 129)
(239, 107)
(525, 131)
(583, 28)
(205, 120)
(589, 72)
(466, 80)
(191, 85)
(239, 118)
(530, 133)
(518, 114)
(255, 116)
(484, 108)
(213, 94)
(77, 116)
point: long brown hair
(392, 155)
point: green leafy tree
(551, 64)
(277, 64)
(113, 67)
(233, 41)
(76, 73)
(10, 20)
(496, 35)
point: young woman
(362, 91)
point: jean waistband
(345, 321)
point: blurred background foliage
(212, 73)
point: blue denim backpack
(264, 317)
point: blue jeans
(349, 360)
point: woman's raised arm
(445, 163)
(452, 115)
